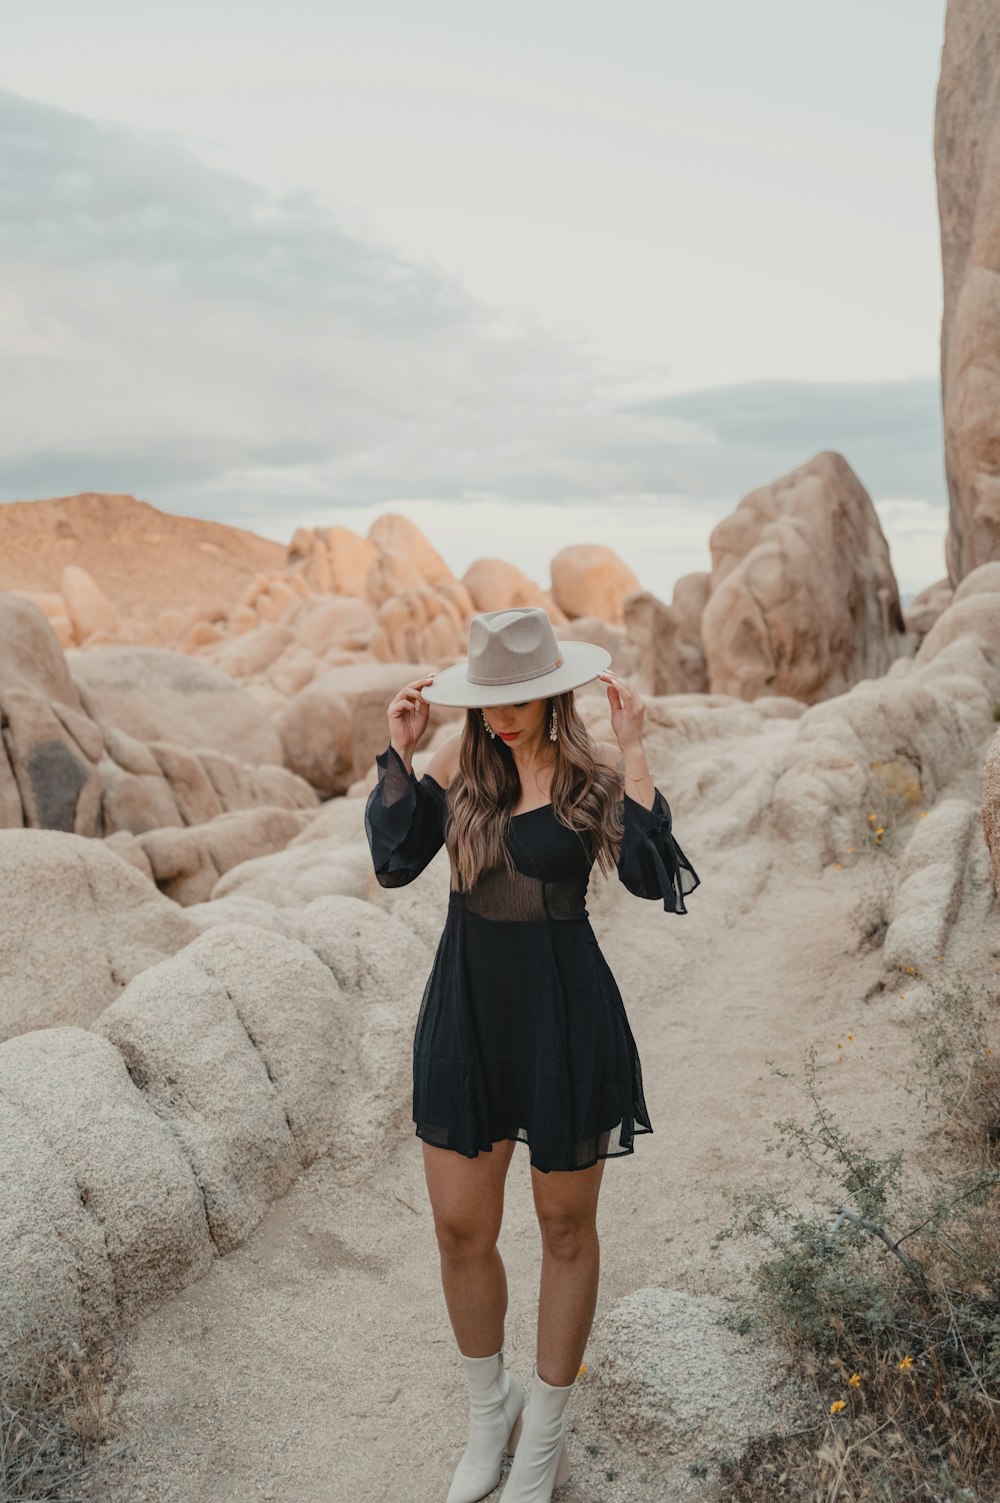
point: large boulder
(102, 1213)
(156, 695)
(332, 560)
(677, 1382)
(62, 770)
(967, 151)
(186, 863)
(591, 580)
(494, 585)
(924, 609)
(87, 606)
(803, 600)
(332, 730)
(898, 741)
(78, 924)
(398, 538)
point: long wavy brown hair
(586, 795)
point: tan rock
(187, 863)
(157, 695)
(804, 601)
(348, 559)
(63, 628)
(418, 625)
(240, 621)
(967, 148)
(498, 586)
(87, 606)
(389, 574)
(393, 534)
(332, 730)
(924, 609)
(78, 925)
(60, 789)
(30, 655)
(147, 561)
(591, 580)
(324, 625)
(252, 653)
(614, 639)
(652, 627)
(118, 1195)
(923, 727)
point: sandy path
(316, 1361)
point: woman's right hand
(408, 717)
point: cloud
(890, 431)
(177, 332)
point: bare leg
(566, 1206)
(467, 1200)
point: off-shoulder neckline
(627, 796)
(432, 779)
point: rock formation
(803, 598)
(967, 151)
(591, 580)
(141, 560)
(62, 768)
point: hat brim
(581, 662)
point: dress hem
(619, 1153)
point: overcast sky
(281, 265)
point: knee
(463, 1241)
(567, 1237)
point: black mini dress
(522, 1032)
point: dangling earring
(493, 734)
(554, 726)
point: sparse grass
(895, 798)
(57, 1419)
(887, 1298)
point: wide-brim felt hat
(514, 655)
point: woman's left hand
(627, 710)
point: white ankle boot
(542, 1460)
(496, 1399)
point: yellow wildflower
(880, 830)
(854, 1381)
(583, 1370)
(836, 866)
(838, 1405)
(906, 1362)
(872, 817)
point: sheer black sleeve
(652, 864)
(404, 821)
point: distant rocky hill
(144, 560)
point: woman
(522, 1033)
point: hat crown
(511, 646)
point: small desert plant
(956, 1075)
(894, 797)
(889, 1302)
(57, 1418)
